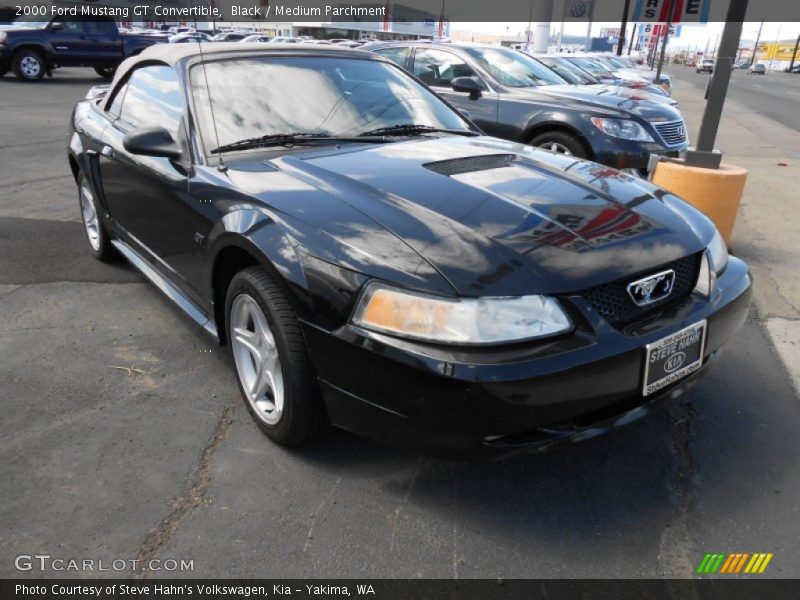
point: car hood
(600, 97)
(492, 217)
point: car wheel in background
(560, 142)
(105, 72)
(99, 242)
(272, 366)
(28, 65)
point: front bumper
(491, 402)
(627, 154)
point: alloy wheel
(89, 213)
(258, 364)
(556, 148)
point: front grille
(672, 133)
(613, 302)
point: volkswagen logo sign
(651, 289)
(578, 9)
(674, 362)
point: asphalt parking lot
(123, 437)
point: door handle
(107, 151)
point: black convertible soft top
(171, 54)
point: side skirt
(165, 285)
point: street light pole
(671, 16)
(634, 35)
(623, 27)
(704, 155)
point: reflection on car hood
(494, 217)
(599, 97)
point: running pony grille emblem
(651, 289)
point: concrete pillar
(541, 16)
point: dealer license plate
(673, 357)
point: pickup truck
(32, 49)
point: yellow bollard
(715, 192)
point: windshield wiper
(291, 139)
(411, 129)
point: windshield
(31, 22)
(595, 68)
(620, 62)
(513, 68)
(569, 71)
(255, 97)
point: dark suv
(512, 96)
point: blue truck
(33, 48)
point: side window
(153, 98)
(396, 55)
(439, 68)
(98, 27)
(71, 25)
(116, 104)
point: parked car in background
(191, 36)
(576, 76)
(257, 39)
(373, 261)
(282, 39)
(510, 95)
(33, 48)
(757, 69)
(795, 69)
(742, 65)
(608, 76)
(706, 66)
(229, 36)
(625, 67)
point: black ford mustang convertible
(374, 261)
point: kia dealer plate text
(673, 357)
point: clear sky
(691, 34)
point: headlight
(714, 261)
(487, 320)
(718, 253)
(622, 128)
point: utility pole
(703, 155)
(794, 54)
(671, 15)
(623, 27)
(755, 48)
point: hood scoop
(470, 164)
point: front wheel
(105, 72)
(560, 142)
(272, 366)
(29, 65)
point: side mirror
(468, 85)
(56, 26)
(152, 141)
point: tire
(270, 356)
(560, 142)
(29, 65)
(105, 72)
(96, 234)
